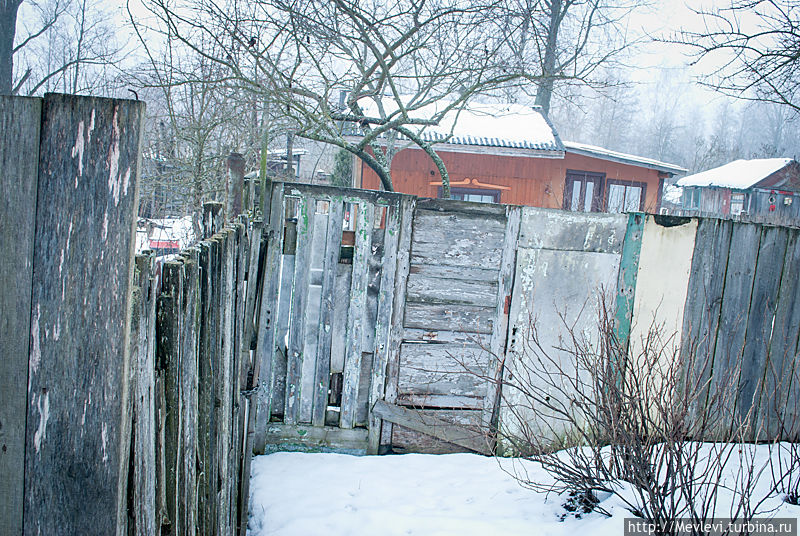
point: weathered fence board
(20, 121)
(82, 275)
(781, 383)
(734, 313)
(760, 323)
(704, 302)
(145, 521)
(351, 374)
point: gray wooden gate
(325, 314)
(443, 379)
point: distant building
(766, 190)
(513, 154)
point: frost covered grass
(464, 494)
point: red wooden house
(513, 154)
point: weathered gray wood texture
(20, 120)
(740, 330)
(78, 434)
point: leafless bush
(631, 421)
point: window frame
(627, 184)
(472, 191)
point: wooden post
(144, 453)
(355, 314)
(235, 187)
(78, 433)
(19, 146)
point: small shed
(766, 189)
(510, 153)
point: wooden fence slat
(205, 391)
(254, 238)
(760, 322)
(505, 279)
(20, 121)
(281, 331)
(738, 291)
(168, 330)
(190, 332)
(224, 380)
(355, 315)
(296, 352)
(406, 210)
(432, 426)
(781, 381)
(704, 303)
(383, 322)
(263, 370)
(144, 521)
(333, 242)
(78, 431)
(241, 367)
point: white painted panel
(552, 289)
(662, 282)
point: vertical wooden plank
(168, 330)
(264, 373)
(626, 284)
(383, 322)
(355, 314)
(728, 353)
(239, 370)
(333, 243)
(190, 332)
(407, 207)
(144, 455)
(224, 380)
(703, 306)
(20, 120)
(297, 330)
(760, 323)
(505, 280)
(286, 277)
(205, 391)
(781, 387)
(78, 433)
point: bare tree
(562, 41)
(364, 77)
(65, 45)
(754, 49)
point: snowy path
(295, 494)
(464, 494)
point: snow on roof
(486, 124)
(739, 174)
(607, 154)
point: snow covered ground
(414, 494)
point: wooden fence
(134, 392)
(191, 351)
(124, 404)
(69, 182)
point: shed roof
(623, 158)
(739, 174)
(505, 125)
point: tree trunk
(8, 26)
(545, 90)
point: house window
(625, 196)
(583, 191)
(691, 198)
(737, 204)
(477, 195)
